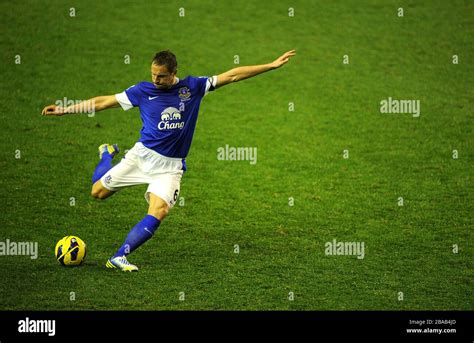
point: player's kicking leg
(142, 232)
(106, 154)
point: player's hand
(283, 59)
(52, 110)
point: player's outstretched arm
(242, 73)
(96, 104)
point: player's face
(161, 77)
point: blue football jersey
(168, 115)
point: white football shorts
(145, 166)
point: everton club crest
(184, 93)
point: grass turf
(300, 155)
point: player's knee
(159, 212)
(98, 191)
(163, 212)
(98, 194)
(95, 194)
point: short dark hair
(166, 58)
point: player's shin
(103, 167)
(140, 233)
(106, 154)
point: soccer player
(169, 109)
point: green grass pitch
(343, 163)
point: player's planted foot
(110, 149)
(120, 262)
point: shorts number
(175, 196)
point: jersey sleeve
(130, 97)
(206, 84)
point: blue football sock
(103, 167)
(140, 233)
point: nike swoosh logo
(151, 98)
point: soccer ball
(70, 251)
